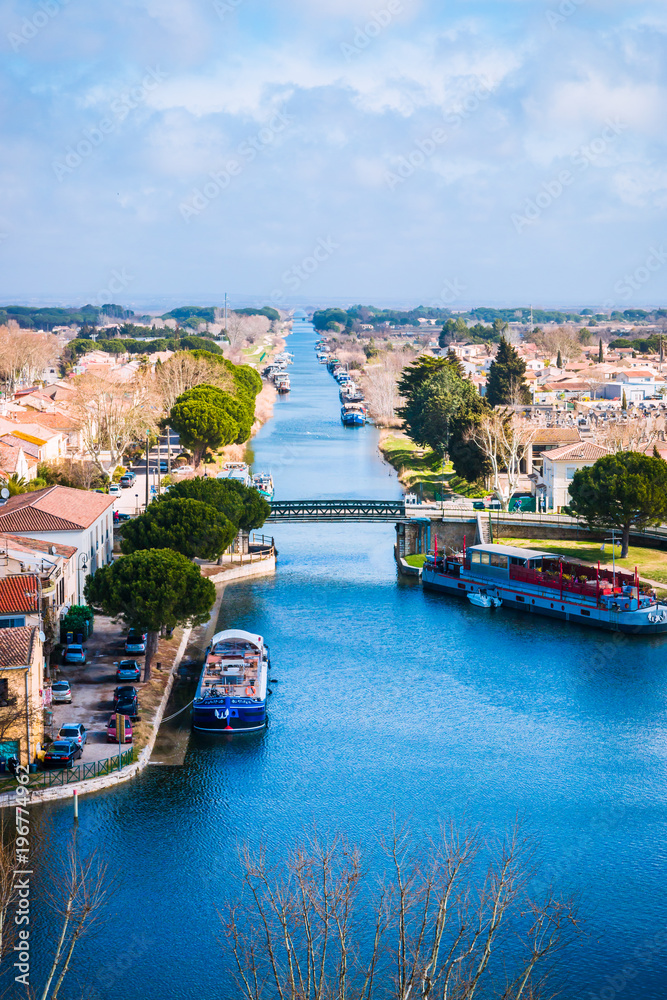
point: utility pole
(225, 314)
(169, 450)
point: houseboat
(263, 483)
(353, 414)
(236, 470)
(232, 690)
(542, 584)
(283, 385)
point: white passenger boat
(238, 471)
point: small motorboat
(263, 483)
(482, 599)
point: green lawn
(417, 561)
(652, 563)
(421, 467)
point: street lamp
(82, 566)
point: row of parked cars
(72, 737)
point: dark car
(62, 753)
(135, 641)
(128, 670)
(128, 706)
(127, 480)
(123, 692)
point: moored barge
(232, 690)
(539, 583)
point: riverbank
(421, 471)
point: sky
(444, 152)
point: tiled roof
(39, 545)
(56, 508)
(12, 441)
(19, 593)
(552, 435)
(582, 452)
(55, 421)
(9, 457)
(16, 645)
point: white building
(559, 467)
(79, 519)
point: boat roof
(237, 633)
(511, 550)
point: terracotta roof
(39, 545)
(9, 457)
(55, 421)
(19, 593)
(552, 435)
(56, 508)
(16, 645)
(582, 452)
(12, 441)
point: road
(133, 500)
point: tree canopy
(202, 423)
(625, 490)
(246, 508)
(191, 527)
(150, 590)
(506, 383)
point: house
(56, 422)
(19, 601)
(547, 439)
(21, 693)
(13, 461)
(80, 519)
(559, 467)
(53, 565)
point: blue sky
(457, 153)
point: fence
(70, 775)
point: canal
(388, 700)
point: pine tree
(506, 383)
(559, 360)
(624, 402)
(600, 353)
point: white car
(61, 691)
(114, 489)
(184, 468)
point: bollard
(76, 805)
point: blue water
(389, 699)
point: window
(519, 598)
(12, 622)
(484, 558)
(586, 613)
(462, 586)
(569, 473)
(499, 561)
(4, 689)
(475, 557)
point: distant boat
(237, 471)
(283, 385)
(353, 414)
(263, 483)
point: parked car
(135, 641)
(184, 468)
(128, 670)
(61, 691)
(114, 489)
(128, 706)
(118, 516)
(62, 753)
(123, 692)
(74, 653)
(75, 732)
(111, 730)
(127, 480)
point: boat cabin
(494, 561)
(232, 664)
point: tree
(624, 401)
(186, 369)
(559, 359)
(425, 926)
(113, 414)
(600, 353)
(202, 424)
(151, 589)
(506, 384)
(193, 528)
(24, 354)
(451, 330)
(504, 439)
(626, 490)
(240, 408)
(245, 507)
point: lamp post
(82, 564)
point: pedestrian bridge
(336, 510)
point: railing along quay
(70, 775)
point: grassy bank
(651, 563)
(421, 469)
